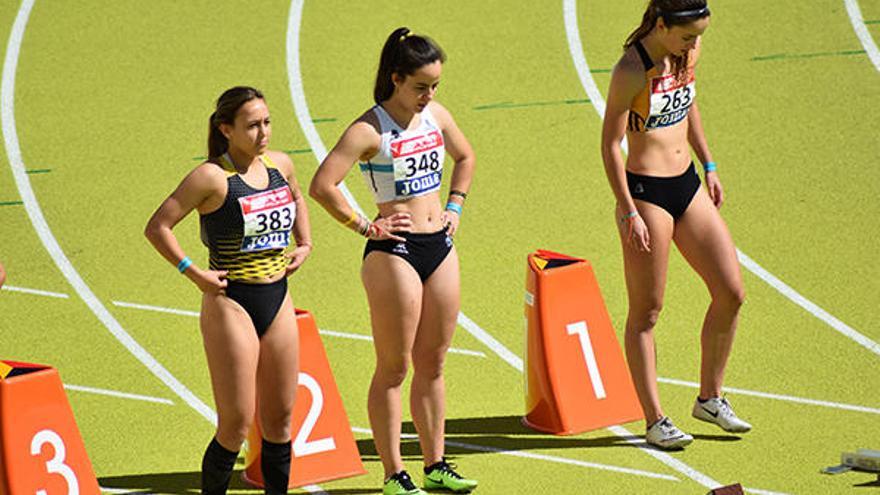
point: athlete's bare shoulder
(367, 122)
(282, 161)
(439, 112)
(629, 72)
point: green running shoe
(401, 484)
(442, 475)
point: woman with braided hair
(651, 101)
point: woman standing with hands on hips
(410, 269)
(651, 101)
(248, 201)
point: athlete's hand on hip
(713, 185)
(209, 281)
(450, 220)
(297, 257)
(383, 227)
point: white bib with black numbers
(418, 164)
(268, 217)
(671, 100)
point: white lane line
(158, 309)
(294, 78)
(32, 206)
(114, 393)
(858, 24)
(762, 492)
(368, 338)
(786, 398)
(583, 70)
(331, 333)
(35, 292)
(808, 305)
(538, 457)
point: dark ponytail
(403, 53)
(227, 107)
(674, 13)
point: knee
(391, 372)
(233, 427)
(644, 319)
(429, 365)
(276, 425)
(730, 298)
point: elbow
(317, 191)
(151, 231)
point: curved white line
(32, 206)
(294, 76)
(576, 48)
(299, 97)
(858, 23)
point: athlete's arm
(627, 79)
(462, 153)
(697, 140)
(2, 275)
(302, 230)
(359, 140)
(195, 189)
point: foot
(442, 475)
(401, 484)
(665, 435)
(718, 411)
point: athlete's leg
(645, 286)
(277, 373)
(394, 292)
(440, 305)
(276, 389)
(232, 351)
(703, 239)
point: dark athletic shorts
(673, 194)
(424, 252)
(261, 301)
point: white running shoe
(667, 436)
(718, 411)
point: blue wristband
(451, 206)
(710, 167)
(184, 264)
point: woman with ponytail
(410, 267)
(249, 203)
(651, 101)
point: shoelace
(448, 468)
(402, 478)
(724, 408)
(667, 426)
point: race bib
(418, 164)
(268, 217)
(671, 100)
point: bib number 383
(268, 217)
(418, 164)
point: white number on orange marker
(580, 328)
(301, 444)
(56, 464)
